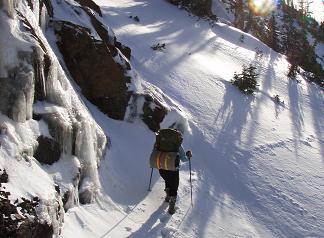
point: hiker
(171, 179)
(166, 156)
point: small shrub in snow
(136, 18)
(258, 52)
(158, 46)
(277, 99)
(242, 38)
(246, 81)
(292, 73)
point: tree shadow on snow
(317, 105)
(262, 96)
(295, 102)
(226, 179)
(227, 174)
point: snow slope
(257, 165)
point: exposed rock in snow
(92, 66)
(100, 66)
(48, 150)
(149, 109)
(198, 7)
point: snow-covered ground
(257, 165)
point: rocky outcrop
(48, 150)
(147, 108)
(90, 4)
(19, 218)
(153, 113)
(101, 69)
(91, 64)
(200, 8)
(3, 176)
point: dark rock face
(34, 230)
(200, 8)
(110, 41)
(153, 117)
(90, 4)
(48, 150)
(3, 176)
(148, 109)
(92, 66)
(124, 49)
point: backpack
(165, 153)
(168, 140)
(164, 160)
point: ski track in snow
(257, 165)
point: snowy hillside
(257, 167)
(257, 164)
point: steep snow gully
(257, 165)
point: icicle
(43, 18)
(67, 139)
(23, 101)
(85, 151)
(29, 94)
(62, 130)
(51, 212)
(56, 86)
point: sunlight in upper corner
(262, 7)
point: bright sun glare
(262, 7)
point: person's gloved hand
(189, 154)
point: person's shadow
(146, 229)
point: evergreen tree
(273, 39)
(320, 33)
(292, 73)
(246, 81)
(239, 14)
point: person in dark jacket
(171, 179)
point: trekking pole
(149, 188)
(190, 182)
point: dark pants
(171, 179)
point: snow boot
(172, 202)
(167, 197)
